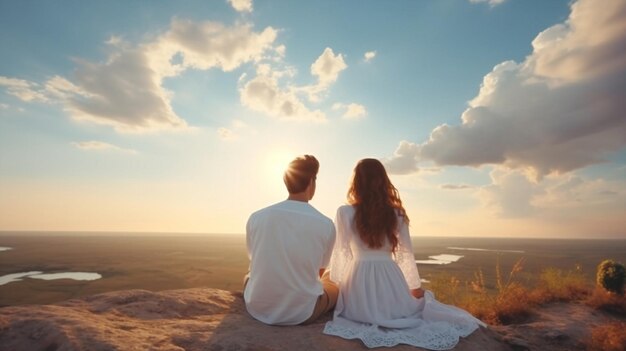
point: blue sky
(494, 118)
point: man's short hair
(300, 173)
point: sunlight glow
(276, 162)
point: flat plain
(163, 262)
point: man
(289, 246)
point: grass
(601, 299)
(511, 297)
(608, 337)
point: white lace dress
(375, 304)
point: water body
(16, 277)
(4, 248)
(485, 250)
(440, 259)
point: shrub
(608, 337)
(611, 276)
(606, 301)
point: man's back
(287, 245)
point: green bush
(611, 276)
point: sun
(276, 162)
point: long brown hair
(377, 204)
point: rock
(517, 343)
(189, 319)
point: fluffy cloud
(95, 145)
(456, 186)
(241, 5)
(326, 70)
(124, 93)
(560, 110)
(231, 133)
(558, 198)
(208, 45)
(126, 90)
(369, 56)
(490, 2)
(263, 94)
(22, 89)
(404, 159)
(226, 134)
(270, 94)
(510, 194)
(327, 67)
(351, 111)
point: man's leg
(327, 300)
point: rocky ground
(212, 319)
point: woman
(380, 299)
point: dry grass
(557, 285)
(608, 337)
(601, 299)
(509, 299)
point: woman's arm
(417, 293)
(405, 258)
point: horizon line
(4, 232)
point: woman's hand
(417, 293)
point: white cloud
(23, 89)
(558, 111)
(491, 3)
(94, 145)
(126, 92)
(232, 133)
(369, 56)
(561, 199)
(328, 66)
(351, 111)
(241, 5)
(226, 134)
(263, 94)
(404, 160)
(510, 194)
(123, 92)
(456, 186)
(205, 45)
(61, 88)
(326, 69)
(270, 94)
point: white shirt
(287, 243)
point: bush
(611, 276)
(608, 337)
(606, 301)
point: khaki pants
(325, 302)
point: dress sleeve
(330, 246)
(342, 254)
(405, 258)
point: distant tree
(611, 276)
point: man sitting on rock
(289, 245)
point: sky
(499, 118)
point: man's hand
(417, 293)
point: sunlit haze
(493, 118)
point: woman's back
(375, 285)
